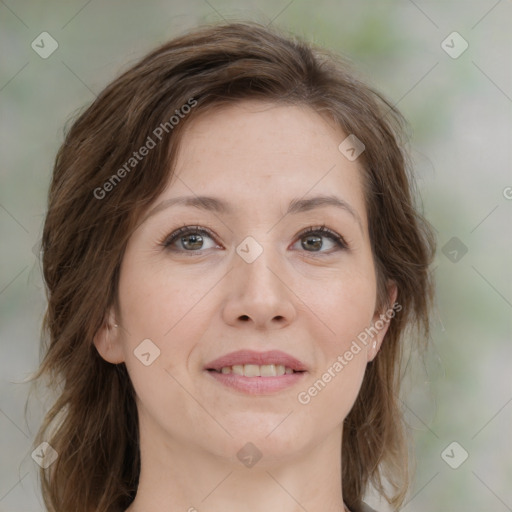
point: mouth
(257, 364)
(257, 373)
(254, 370)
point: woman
(232, 257)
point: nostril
(244, 317)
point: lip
(260, 358)
(257, 385)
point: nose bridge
(257, 289)
(260, 263)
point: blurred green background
(459, 108)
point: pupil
(317, 242)
(196, 239)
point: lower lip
(257, 385)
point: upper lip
(242, 357)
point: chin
(272, 438)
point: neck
(189, 478)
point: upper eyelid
(323, 229)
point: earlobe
(107, 341)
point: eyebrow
(296, 206)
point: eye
(190, 237)
(313, 239)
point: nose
(258, 293)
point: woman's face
(251, 282)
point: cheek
(166, 309)
(333, 388)
(328, 398)
(343, 302)
(345, 307)
(156, 300)
(169, 308)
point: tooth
(268, 370)
(251, 370)
(254, 370)
(238, 369)
(280, 369)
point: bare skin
(200, 301)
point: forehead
(257, 153)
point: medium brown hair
(93, 207)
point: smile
(254, 370)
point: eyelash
(186, 230)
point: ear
(107, 340)
(381, 321)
